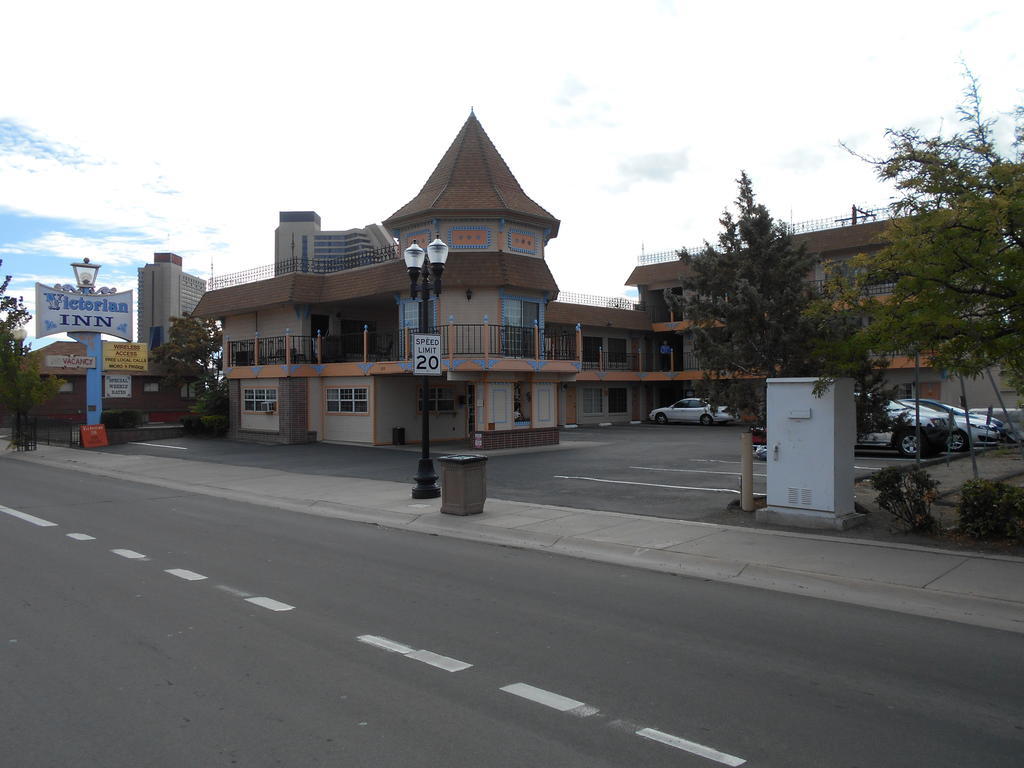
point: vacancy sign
(426, 357)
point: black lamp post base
(426, 481)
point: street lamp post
(85, 277)
(420, 283)
(21, 441)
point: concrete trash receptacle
(463, 484)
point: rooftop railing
(320, 265)
(591, 300)
(857, 216)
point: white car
(981, 434)
(692, 410)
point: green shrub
(192, 423)
(907, 496)
(992, 509)
(117, 419)
(215, 425)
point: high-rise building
(165, 291)
(301, 246)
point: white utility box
(810, 455)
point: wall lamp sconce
(469, 294)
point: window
(905, 391)
(520, 313)
(151, 386)
(442, 400)
(67, 386)
(409, 313)
(592, 400)
(617, 400)
(347, 400)
(192, 389)
(259, 400)
(617, 353)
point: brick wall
(516, 438)
(166, 404)
(293, 410)
(234, 408)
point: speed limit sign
(426, 356)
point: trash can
(398, 435)
(463, 484)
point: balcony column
(227, 354)
(536, 340)
(672, 359)
(287, 346)
(256, 349)
(579, 344)
(487, 338)
(366, 343)
(448, 341)
(319, 348)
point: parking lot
(677, 471)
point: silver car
(692, 410)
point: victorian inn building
(317, 346)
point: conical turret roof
(472, 179)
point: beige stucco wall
(396, 406)
(346, 427)
(263, 422)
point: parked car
(903, 434)
(693, 410)
(1010, 422)
(982, 434)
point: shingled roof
(463, 270)
(584, 314)
(472, 179)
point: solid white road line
(81, 537)
(157, 445)
(437, 660)
(269, 604)
(129, 553)
(549, 699)
(649, 485)
(181, 573)
(696, 471)
(26, 517)
(690, 746)
(385, 644)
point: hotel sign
(125, 357)
(63, 311)
(117, 386)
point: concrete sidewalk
(984, 590)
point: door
(570, 405)
(470, 409)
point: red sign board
(93, 435)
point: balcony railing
(320, 265)
(590, 300)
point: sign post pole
(93, 376)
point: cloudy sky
(128, 128)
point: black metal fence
(27, 432)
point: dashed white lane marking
(691, 746)
(385, 644)
(648, 485)
(157, 445)
(26, 517)
(549, 699)
(697, 471)
(81, 537)
(131, 554)
(181, 573)
(446, 663)
(269, 604)
(437, 660)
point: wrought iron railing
(319, 265)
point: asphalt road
(679, 471)
(116, 653)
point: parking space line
(690, 746)
(384, 644)
(648, 485)
(27, 517)
(157, 445)
(697, 471)
(81, 537)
